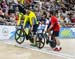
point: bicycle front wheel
(40, 41)
(19, 36)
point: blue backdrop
(67, 33)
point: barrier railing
(70, 25)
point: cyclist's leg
(34, 33)
(48, 34)
(54, 37)
(53, 40)
(27, 31)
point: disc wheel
(19, 36)
(52, 43)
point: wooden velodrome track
(11, 50)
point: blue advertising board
(67, 33)
(64, 33)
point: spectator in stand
(1, 13)
(7, 7)
(61, 20)
(73, 18)
(67, 18)
(2, 21)
(11, 10)
(11, 20)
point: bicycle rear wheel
(19, 36)
(51, 42)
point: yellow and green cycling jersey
(27, 18)
(30, 18)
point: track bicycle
(42, 39)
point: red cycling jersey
(54, 22)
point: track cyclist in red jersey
(54, 26)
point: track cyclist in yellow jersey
(31, 19)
